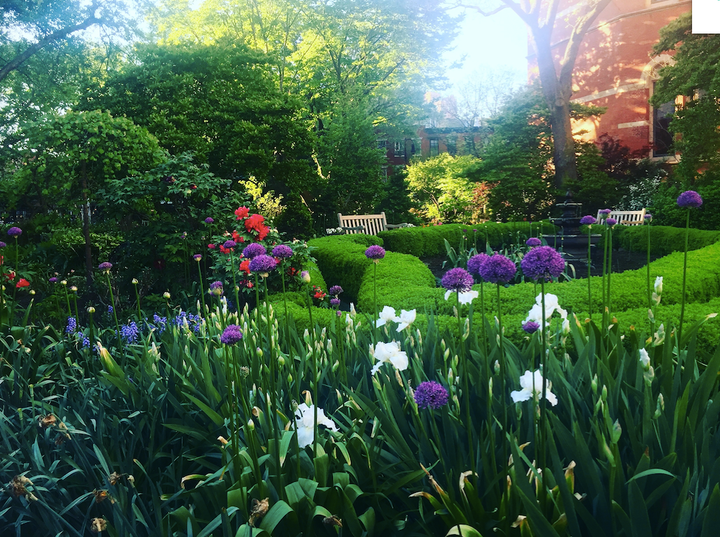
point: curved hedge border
(664, 240)
(404, 282)
(430, 241)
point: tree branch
(567, 64)
(19, 59)
(479, 10)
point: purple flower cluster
(533, 241)
(130, 332)
(53, 280)
(375, 252)
(197, 257)
(14, 231)
(282, 251)
(229, 244)
(193, 321)
(2, 244)
(209, 220)
(106, 266)
(160, 323)
(542, 262)
(334, 302)
(689, 199)
(611, 221)
(71, 325)
(588, 220)
(648, 217)
(216, 288)
(605, 212)
(335, 290)
(475, 262)
(531, 327)
(262, 264)
(457, 279)
(251, 251)
(431, 394)
(499, 269)
(231, 335)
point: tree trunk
(86, 228)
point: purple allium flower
(335, 290)
(588, 220)
(375, 252)
(282, 251)
(457, 279)
(229, 244)
(71, 325)
(689, 199)
(231, 335)
(209, 220)
(533, 241)
(531, 327)
(476, 262)
(106, 266)
(605, 211)
(14, 231)
(431, 394)
(197, 257)
(542, 262)
(334, 302)
(498, 269)
(216, 288)
(305, 276)
(53, 280)
(648, 217)
(262, 264)
(253, 250)
(2, 244)
(610, 221)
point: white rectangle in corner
(706, 16)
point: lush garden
(351, 394)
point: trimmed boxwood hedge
(664, 240)
(404, 282)
(430, 241)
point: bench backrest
(627, 218)
(372, 223)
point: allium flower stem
(112, 301)
(77, 316)
(202, 291)
(67, 300)
(92, 329)
(273, 394)
(282, 277)
(609, 303)
(647, 266)
(543, 403)
(137, 301)
(682, 297)
(375, 302)
(17, 270)
(235, 288)
(589, 263)
(503, 395)
(604, 271)
(466, 387)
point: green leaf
(464, 531)
(273, 517)
(652, 471)
(214, 416)
(712, 514)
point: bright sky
(498, 42)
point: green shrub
(664, 240)
(430, 241)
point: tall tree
(70, 158)
(540, 16)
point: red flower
(318, 293)
(10, 275)
(245, 266)
(249, 284)
(242, 212)
(292, 271)
(225, 250)
(22, 283)
(262, 232)
(2, 260)
(240, 239)
(236, 236)
(212, 246)
(255, 222)
(193, 187)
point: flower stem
(647, 266)
(374, 327)
(466, 388)
(202, 291)
(682, 297)
(273, 393)
(543, 404)
(112, 301)
(589, 262)
(609, 304)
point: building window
(384, 173)
(434, 147)
(469, 145)
(451, 143)
(662, 141)
(399, 150)
(382, 144)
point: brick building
(615, 69)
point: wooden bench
(627, 218)
(369, 224)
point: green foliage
(665, 207)
(396, 202)
(430, 241)
(295, 220)
(664, 240)
(694, 74)
(441, 189)
(218, 102)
